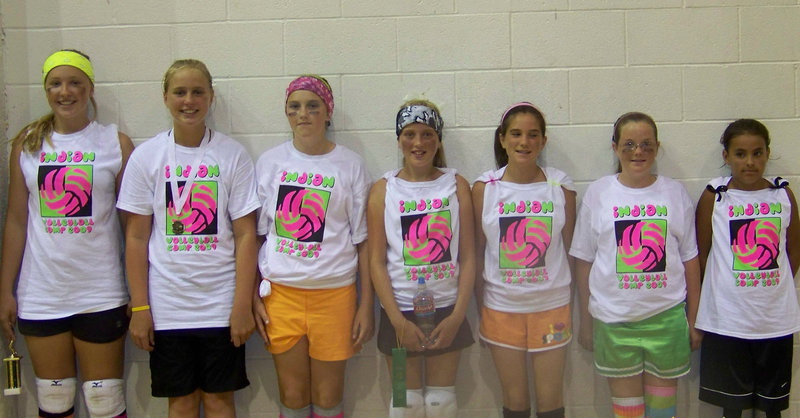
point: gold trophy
(13, 378)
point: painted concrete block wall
(694, 65)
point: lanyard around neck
(178, 198)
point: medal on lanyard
(13, 376)
(179, 197)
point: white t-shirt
(192, 268)
(749, 291)
(637, 241)
(525, 263)
(313, 213)
(422, 230)
(73, 252)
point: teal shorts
(658, 345)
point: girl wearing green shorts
(638, 275)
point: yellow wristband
(140, 308)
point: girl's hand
(141, 329)
(695, 337)
(8, 315)
(444, 333)
(242, 325)
(585, 335)
(363, 326)
(411, 337)
(260, 317)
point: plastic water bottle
(424, 308)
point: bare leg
(548, 378)
(101, 361)
(185, 406)
(511, 366)
(218, 405)
(294, 375)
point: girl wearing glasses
(638, 275)
(749, 245)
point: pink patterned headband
(316, 85)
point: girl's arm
(570, 214)
(14, 237)
(411, 337)
(259, 310)
(126, 147)
(480, 240)
(702, 223)
(586, 327)
(692, 273)
(137, 237)
(246, 253)
(364, 321)
(445, 332)
(792, 235)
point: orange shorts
(325, 316)
(535, 331)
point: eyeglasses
(645, 147)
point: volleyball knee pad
(415, 405)
(56, 397)
(440, 401)
(104, 398)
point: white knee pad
(440, 402)
(56, 395)
(415, 406)
(104, 398)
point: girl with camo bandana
(420, 225)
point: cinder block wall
(692, 64)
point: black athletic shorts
(96, 327)
(185, 360)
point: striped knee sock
(660, 401)
(628, 407)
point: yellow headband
(73, 59)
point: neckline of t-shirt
(303, 155)
(512, 184)
(637, 189)
(58, 137)
(445, 173)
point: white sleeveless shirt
(749, 291)
(421, 220)
(73, 253)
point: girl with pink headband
(63, 239)
(313, 196)
(524, 291)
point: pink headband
(318, 86)
(514, 106)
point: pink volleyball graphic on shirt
(524, 241)
(755, 243)
(300, 213)
(65, 191)
(641, 245)
(426, 238)
(199, 213)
